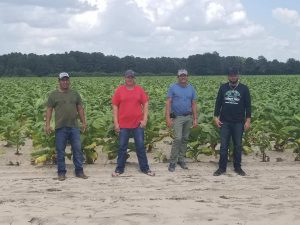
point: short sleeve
(144, 96)
(194, 95)
(116, 97)
(50, 102)
(170, 92)
(79, 99)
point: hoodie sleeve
(218, 103)
(248, 103)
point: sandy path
(269, 195)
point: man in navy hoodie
(232, 115)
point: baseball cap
(62, 75)
(129, 73)
(182, 71)
(232, 71)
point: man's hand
(195, 122)
(48, 129)
(218, 122)
(247, 125)
(117, 128)
(83, 128)
(169, 122)
(143, 123)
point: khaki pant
(181, 130)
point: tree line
(98, 64)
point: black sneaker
(171, 167)
(183, 165)
(219, 172)
(240, 172)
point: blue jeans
(234, 131)
(138, 135)
(62, 136)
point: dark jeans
(234, 131)
(138, 136)
(62, 135)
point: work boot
(82, 175)
(240, 172)
(61, 177)
(183, 165)
(219, 172)
(171, 167)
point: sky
(152, 28)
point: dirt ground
(268, 195)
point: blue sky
(260, 11)
(152, 28)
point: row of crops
(275, 114)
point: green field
(275, 113)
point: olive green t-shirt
(65, 106)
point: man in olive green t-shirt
(67, 105)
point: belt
(186, 114)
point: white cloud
(287, 16)
(125, 18)
(145, 28)
(251, 31)
(159, 10)
(237, 17)
(214, 12)
(86, 20)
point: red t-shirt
(130, 104)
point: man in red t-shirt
(130, 111)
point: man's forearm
(168, 106)
(194, 109)
(81, 114)
(48, 116)
(145, 111)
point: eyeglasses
(183, 75)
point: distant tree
(112, 64)
(276, 67)
(250, 67)
(292, 66)
(128, 62)
(232, 61)
(194, 64)
(211, 63)
(86, 64)
(262, 64)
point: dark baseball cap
(129, 73)
(233, 71)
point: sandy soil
(268, 195)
